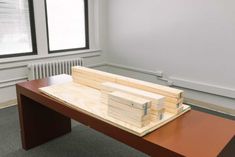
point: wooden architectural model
(103, 81)
(136, 106)
(162, 98)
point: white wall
(13, 70)
(190, 41)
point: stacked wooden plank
(129, 108)
(90, 77)
(174, 97)
(157, 101)
(94, 79)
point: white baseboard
(149, 72)
(210, 106)
(204, 87)
(96, 65)
(8, 104)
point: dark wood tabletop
(194, 134)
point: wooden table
(194, 134)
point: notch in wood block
(157, 117)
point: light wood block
(147, 86)
(135, 124)
(179, 101)
(174, 111)
(157, 100)
(150, 87)
(156, 112)
(157, 117)
(94, 73)
(159, 104)
(98, 78)
(128, 109)
(173, 100)
(87, 100)
(130, 100)
(128, 115)
(87, 82)
(172, 105)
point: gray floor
(81, 142)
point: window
(67, 25)
(17, 33)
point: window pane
(15, 32)
(66, 24)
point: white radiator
(46, 69)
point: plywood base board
(88, 100)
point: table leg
(39, 124)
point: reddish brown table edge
(43, 119)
